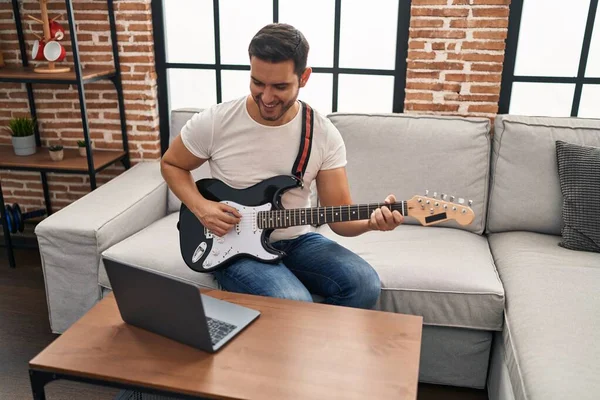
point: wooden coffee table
(294, 350)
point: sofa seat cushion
(552, 316)
(445, 275)
(156, 248)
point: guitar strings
(308, 214)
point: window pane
(195, 88)
(589, 107)
(542, 99)
(368, 34)
(315, 19)
(234, 84)
(239, 21)
(551, 37)
(318, 92)
(366, 93)
(190, 34)
(592, 68)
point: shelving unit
(96, 160)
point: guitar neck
(277, 219)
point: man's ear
(305, 75)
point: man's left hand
(383, 219)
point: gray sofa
(504, 306)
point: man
(257, 137)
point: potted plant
(56, 152)
(22, 130)
(81, 146)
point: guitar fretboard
(277, 219)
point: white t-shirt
(243, 152)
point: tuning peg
(435, 195)
(444, 196)
(452, 199)
(426, 192)
(470, 203)
(461, 200)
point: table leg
(39, 380)
(7, 239)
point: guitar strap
(305, 142)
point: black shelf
(95, 161)
(27, 75)
(71, 163)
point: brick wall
(456, 52)
(58, 105)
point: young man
(257, 137)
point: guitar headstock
(434, 210)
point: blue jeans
(313, 264)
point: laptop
(173, 308)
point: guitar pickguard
(245, 238)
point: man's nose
(267, 95)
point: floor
(25, 331)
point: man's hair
(280, 42)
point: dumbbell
(15, 219)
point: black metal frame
(39, 379)
(79, 80)
(399, 71)
(512, 41)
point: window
(358, 52)
(552, 62)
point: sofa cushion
(552, 316)
(407, 154)
(156, 248)
(525, 191)
(445, 275)
(579, 175)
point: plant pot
(57, 155)
(82, 152)
(24, 145)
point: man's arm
(176, 165)
(333, 189)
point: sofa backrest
(525, 189)
(179, 118)
(406, 154)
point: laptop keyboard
(218, 329)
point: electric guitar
(262, 212)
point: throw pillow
(579, 175)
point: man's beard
(274, 117)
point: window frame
(162, 66)
(510, 58)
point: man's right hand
(217, 217)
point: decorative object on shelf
(56, 152)
(22, 131)
(81, 146)
(48, 47)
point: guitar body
(204, 252)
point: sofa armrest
(72, 240)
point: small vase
(57, 155)
(24, 145)
(82, 152)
